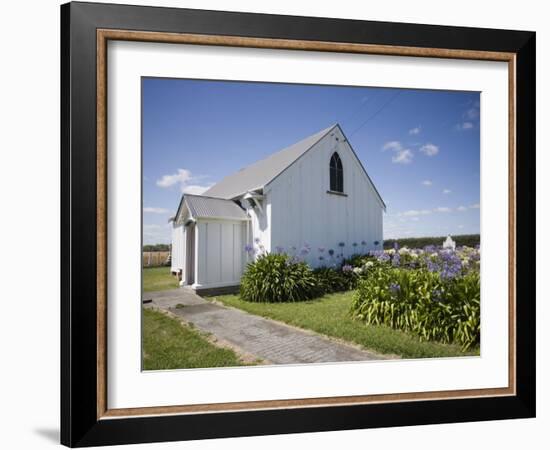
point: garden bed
(330, 315)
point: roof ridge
(234, 188)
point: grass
(158, 279)
(329, 315)
(169, 344)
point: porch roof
(203, 207)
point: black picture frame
(80, 425)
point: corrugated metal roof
(262, 172)
(201, 207)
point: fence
(156, 259)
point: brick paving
(269, 340)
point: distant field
(470, 240)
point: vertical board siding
(178, 248)
(303, 212)
(221, 252)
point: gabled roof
(259, 174)
(201, 207)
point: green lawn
(329, 315)
(158, 279)
(169, 344)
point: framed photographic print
(277, 224)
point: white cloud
(415, 219)
(429, 149)
(402, 157)
(475, 206)
(442, 209)
(149, 209)
(427, 183)
(415, 130)
(184, 178)
(415, 212)
(195, 188)
(462, 208)
(156, 234)
(472, 113)
(446, 191)
(460, 226)
(464, 126)
(392, 145)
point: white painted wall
(178, 247)
(302, 210)
(220, 255)
(260, 223)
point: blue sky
(420, 147)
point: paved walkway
(269, 340)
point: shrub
(331, 280)
(278, 278)
(422, 302)
(357, 260)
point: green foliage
(158, 279)
(332, 280)
(170, 344)
(421, 302)
(156, 248)
(330, 316)
(469, 240)
(357, 260)
(277, 278)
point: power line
(378, 111)
(364, 102)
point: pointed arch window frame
(336, 173)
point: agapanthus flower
(347, 268)
(321, 249)
(248, 248)
(257, 240)
(341, 244)
(279, 249)
(395, 288)
(331, 252)
(436, 295)
(396, 260)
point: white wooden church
(315, 192)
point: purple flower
(341, 244)
(395, 288)
(321, 258)
(331, 252)
(396, 260)
(347, 268)
(395, 246)
(279, 249)
(248, 248)
(257, 240)
(376, 242)
(304, 250)
(365, 243)
(354, 244)
(321, 249)
(436, 295)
